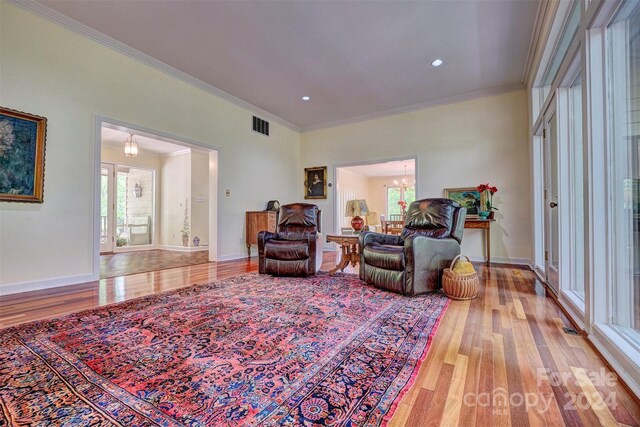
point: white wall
(199, 197)
(175, 189)
(350, 186)
(143, 205)
(457, 145)
(53, 72)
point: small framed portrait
(467, 197)
(22, 139)
(315, 183)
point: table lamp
(355, 208)
(373, 219)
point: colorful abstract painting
(22, 144)
(249, 350)
(467, 197)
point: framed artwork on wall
(468, 197)
(22, 148)
(315, 182)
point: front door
(107, 207)
(551, 200)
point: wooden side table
(350, 251)
(256, 221)
(483, 224)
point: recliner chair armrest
(264, 237)
(312, 239)
(367, 237)
(425, 258)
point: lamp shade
(356, 208)
(373, 218)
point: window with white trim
(623, 168)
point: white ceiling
(353, 58)
(115, 138)
(395, 168)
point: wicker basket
(460, 286)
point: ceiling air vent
(260, 126)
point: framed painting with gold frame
(468, 197)
(315, 182)
(22, 148)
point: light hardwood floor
(501, 359)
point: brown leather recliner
(292, 250)
(412, 263)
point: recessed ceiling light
(306, 98)
(438, 62)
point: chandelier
(130, 147)
(404, 184)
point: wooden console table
(350, 251)
(257, 221)
(484, 224)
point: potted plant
(185, 225)
(487, 190)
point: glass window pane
(624, 174)
(577, 184)
(409, 195)
(393, 197)
(569, 31)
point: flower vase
(483, 214)
(491, 214)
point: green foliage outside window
(394, 195)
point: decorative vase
(185, 240)
(196, 241)
(491, 214)
(357, 223)
(483, 214)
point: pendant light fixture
(405, 183)
(131, 147)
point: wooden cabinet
(257, 221)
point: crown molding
(84, 30)
(543, 6)
(177, 153)
(421, 106)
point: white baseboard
(539, 272)
(624, 366)
(183, 248)
(232, 257)
(500, 260)
(16, 288)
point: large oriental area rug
(250, 350)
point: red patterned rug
(250, 350)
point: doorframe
(214, 182)
(367, 162)
(110, 200)
(546, 122)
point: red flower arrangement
(491, 190)
(403, 205)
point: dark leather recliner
(292, 250)
(412, 263)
